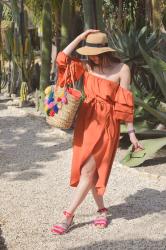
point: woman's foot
(101, 221)
(65, 225)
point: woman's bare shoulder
(125, 76)
(125, 68)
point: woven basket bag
(66, 114)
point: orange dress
(97, 126)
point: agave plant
(158, 69)
(145, 82)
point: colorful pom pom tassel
(51, 105)
(52, 112)
(64, 100)
(47, 90)
(45, 101)
(48, 112)
(46, 108)
(55, 108)
(50, 100)
(59, 99)
(51, 95)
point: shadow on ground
(3, 106)
(143, 202)
(132, 244)
(24, 146)
(2, 241)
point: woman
(97, 128)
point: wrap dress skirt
(97, 125)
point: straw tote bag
(61, 104)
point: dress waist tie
(109, 116)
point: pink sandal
(63, 227)
(101, 219)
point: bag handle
(68, 70)
(72, 77)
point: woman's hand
(136, 145)
(83, 35)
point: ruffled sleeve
(69, 69)
(124, 105)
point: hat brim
(151, 146)
(92, 51)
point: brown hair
(105, 59)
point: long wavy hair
(104, 59)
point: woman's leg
(100, 204)
(98, 198)
(85, 184)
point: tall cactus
(57, 6)
(99, 15)
(89, 14)
(45, 50)
(23, 59)
(23, 92)
(93, 17)
(66, 21)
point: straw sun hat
(96, 43)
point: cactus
(22, 51)
(99, 15)
(23, 92)
(89, 14)
(66, 22)
(93, 14)
(46, 50)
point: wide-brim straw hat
(96, 43)
(151, 146)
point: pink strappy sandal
(63, 227)
(101, 219)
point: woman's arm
(69, 49)
(125, 79)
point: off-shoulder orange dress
(97, 126)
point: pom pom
(51, 105)
(46, 107)
(64, 100)
(48, 112)
(50, 100)
(55, 108)
(59, 99)
(51, 95)
(59, 105)
(47, 90)
(52, 112)
(45, 101)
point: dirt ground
(34, 182)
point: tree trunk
(45, 50)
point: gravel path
(34, 190)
